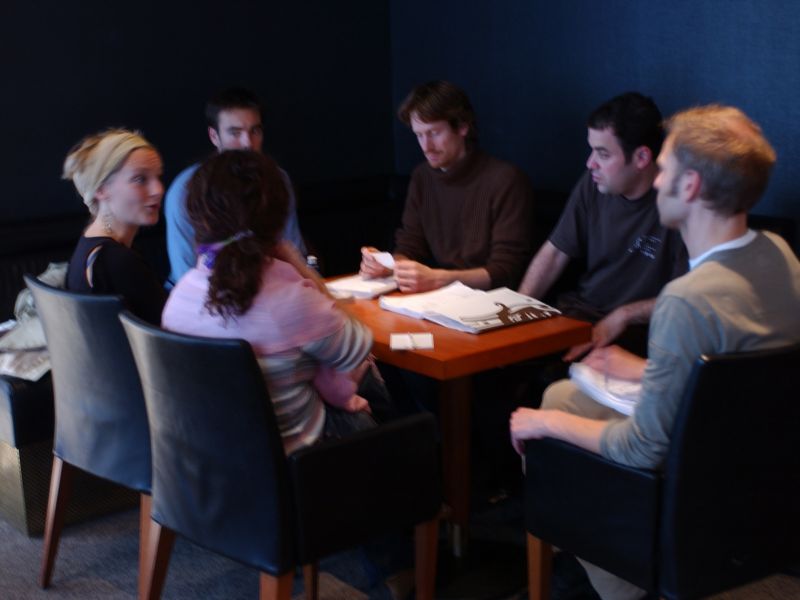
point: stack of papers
(620, 394)
(23, 352)
(460, 307)
(360, 287)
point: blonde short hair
(97, 157)
(729, 152)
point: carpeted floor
(98, 559)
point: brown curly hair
(232, 192)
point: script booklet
(360, 287)
(620, 394)
(23, 352)
(460, 307)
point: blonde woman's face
(133, 194)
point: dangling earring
(107, 221)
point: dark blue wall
(71, 68)
(535, 68)
(331, 74)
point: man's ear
(690, 184)
(214, 137)
(642, 157)
(463, 129)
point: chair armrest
(354, 489)
(602, 511)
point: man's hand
(528, 424)
(412, 276)
(616, 362)
(371, 267)
(604, 332)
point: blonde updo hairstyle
(97, 157)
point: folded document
(620, 394)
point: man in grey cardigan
(741, 293)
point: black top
(118, 270)
(629, 254)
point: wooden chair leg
(145, 505)
(426, 538)
(311, 580)
(155, 561)
(60, 490)
(276, 588)
(540, 567)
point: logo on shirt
(646, 245)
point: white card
(384, 259)
(411, 341)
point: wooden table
(455, 357)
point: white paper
(25, 335)
(25, 364)
(411, 341)
(460, 307)
(620, 394)
(361, 287)
(384, 259)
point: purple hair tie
(208, 252)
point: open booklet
(460, 307)
(620, 394)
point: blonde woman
(118, 175)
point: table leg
(455, 402)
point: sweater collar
(462, 168)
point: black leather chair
(724, 511)
(222, 480)
(100, 419)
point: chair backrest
(219, 470)
(363, 486)
(101, 423)
(732, 477)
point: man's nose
(246, 140)
(591, 163)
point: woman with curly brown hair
(247, 284)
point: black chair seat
(721, 513)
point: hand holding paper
(375, 263)
(616, 362)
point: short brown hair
(439, 101)
(729, 152)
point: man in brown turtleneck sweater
(468, 216)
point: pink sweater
(300, 338)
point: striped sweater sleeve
(345, 348)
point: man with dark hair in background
(611, 222)
(468, 216)
(741, 293)
(233, 117)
